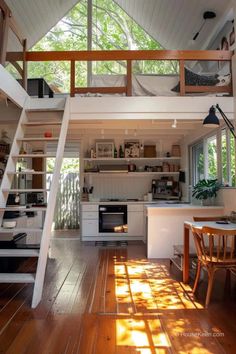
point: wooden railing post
(4, 31)
(72, 78)
(182, 77)
(129, 78)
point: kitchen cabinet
(135, 220)
(90, 223)
(89, 220)
(165, 226)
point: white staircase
(28, 124)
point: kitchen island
(165, 225)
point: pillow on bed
(197, 80)
(224, 80)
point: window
(198, 162)
(211, 166)
(214, 157)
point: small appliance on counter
(165, 189)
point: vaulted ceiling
(36, 17)
(173, 23)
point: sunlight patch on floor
(145, 335)
(149, 287)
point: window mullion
(205, 153)
(219, 157)
(228, 157)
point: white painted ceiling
(36, 17)
(173, 23)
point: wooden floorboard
(114, 301)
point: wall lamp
(213, 121)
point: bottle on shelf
(22, 150)
(92, 153)
(115, 152)
(141, 151)
(121, 152)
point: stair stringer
(42, 261)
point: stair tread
(21, 252)
(29, 173)
(18, 229)
(44, 110)
(41, 123)
(32, 155)
(24, 190)
(23, 209)
(39, 139)
(17, 278)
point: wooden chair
(215, 250)
(210, 218)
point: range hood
(113, 168)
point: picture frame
(104, 149)
(132, 148)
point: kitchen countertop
(155, 204)
(181, 206)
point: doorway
(66, 215)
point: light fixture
(213, 121)
(207, 15)
(174, 124)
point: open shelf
(131, 174)
(133, 159)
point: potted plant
(206, 190)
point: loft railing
(130, 56)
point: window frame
(204, 140)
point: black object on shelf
(38, 87)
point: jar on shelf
(165, 167)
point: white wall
(123, 186)
(227, 197)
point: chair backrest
(209, 218)
(215, 245)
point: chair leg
(211, 273)
(197, 276)
(227, 283)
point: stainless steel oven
(113, 218)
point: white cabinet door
(135, 223)
(89, 227)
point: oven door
(113, 218)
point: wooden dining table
(199, 224)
